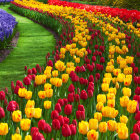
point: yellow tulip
(111, 103)
(25, 124)
(93, 124)
(16, 116)
(98, 116)
(30, 104)
(42, 94)
(99, 106)
(131, 106)
(29, 112)
(22, 92)
(103, 127)
(3, 128)
(65, 78)
(83, 127)
(123, 119)
(28, 137)
(47, 104)
(101, 98)
(92, 135)
(47, 86)
(49, 93)
(55, 73)
(28, 95)
(126, 91)
(16, 137)
(105, 87)
(111, 125)
(123, 133)
(38, 80)
(38, 113)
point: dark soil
(5, 52)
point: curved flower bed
(7, 26)
(124, 14)
(86, 88)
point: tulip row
(93, 48)
(124, 14)
(7, 28)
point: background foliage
(129, 4)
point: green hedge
(44, 19)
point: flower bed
(86, 88)
(124, 14)
(7, 28)
(5, 2)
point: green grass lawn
(33, 44)
(84, 2)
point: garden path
(33, 44)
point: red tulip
(81, 80)
(2, 95)
(61, 120)
(34, 71)
(12, 86)
(132, 65)
(77, 97)
(91, 78)
(54, 114)
(74, 122)
(34, 130)
(66, 120)
(137, 98)
(90, 93)
(58, 107)
(102, 48)
(97, 76)
(66, 131)
(65, 101)
(16, 89)
(33, 76)
(41, 124)
(19, 83)
(83, 95)
(38, 136)
(56, 124)
(61, 102)
(96, 47)
(47, 128)
(136, 128)
(2, 113)
(102, 60)
(12, 106)
(137, 79)
(70, 97)
(73, 129)
(37, 66)
(68, 109)
(29, 71)
(93, 58)
(25, 68)
(137, 91)
(80, 115)
(135, 70)
(81, 108)
(50, 63)
(27, 81)
(71, 88)
(134, 136)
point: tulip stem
(102, 136)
